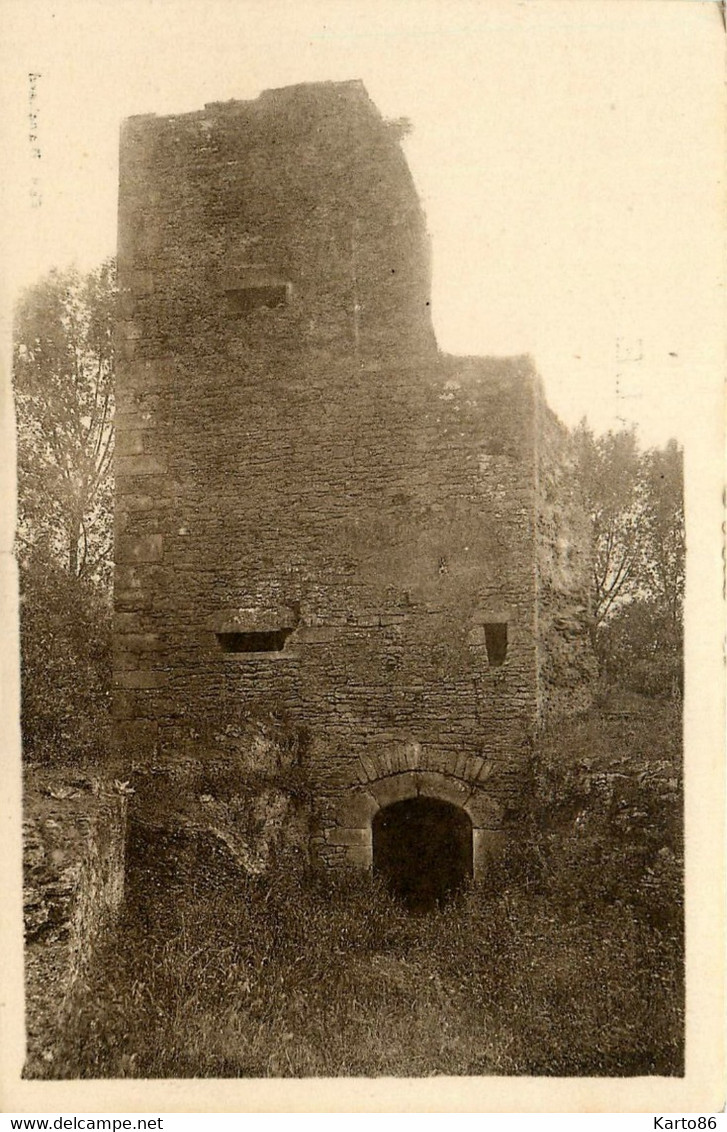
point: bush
(65, 640)
(640, 648)
(606, 818)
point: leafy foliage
(663, 519)
(606, 812)
(65, 638)
(63, 371)
(640, 647)
(609, 469)
(63, 377)
(635, 501)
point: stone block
(138, 642)
(394, 788)
(158, 487)
(126, 303)
(443, 787)
(128, 400)
(354, 838)
(148, 375)
(473, 766)
(412, 752)
(357, 809)
(265, 618)
(132, 599)
(133, 418)
(141, 678)
(358, 856)
(126, 349)
(436, 761)
(130, 579)
(141, 465)
(129, 442)
(459, 768)
(370, 768)
(484, 810)
(139, 548)
(315, 635)
(385, 762)
(487, 845)
(131, 503)
(485, 770)
(124, 705)
(123, 660)
(359, 772)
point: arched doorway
(423, 849)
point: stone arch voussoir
(386, 778)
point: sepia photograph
(357, 356)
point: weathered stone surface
(433, 785)
(395, 788)
(139, 678)
(320, 456)
(357, 856)
(487, 844)
(139, 465)
(74, 848)
(130, 442)
(485, 812)
(356, 838)
(357, 809)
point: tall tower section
(317, 512)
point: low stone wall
(74, 836)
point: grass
(569, 963)
(316, 976)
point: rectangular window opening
(243, 300)
(269, 640)
(496, 642)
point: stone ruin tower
(318, 513)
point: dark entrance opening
(423, 849)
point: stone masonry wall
(316, 468)
(74, 837)
(566, 664)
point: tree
(63, 371)
(610, 471)
(663, 519)
(63, 377)
(635, 501)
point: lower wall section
(253, 809)
(74, 836)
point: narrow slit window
(496, 642)
(243, 300)
(269, 640)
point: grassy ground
(321, 977)
(569, 963)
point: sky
(568, 156)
